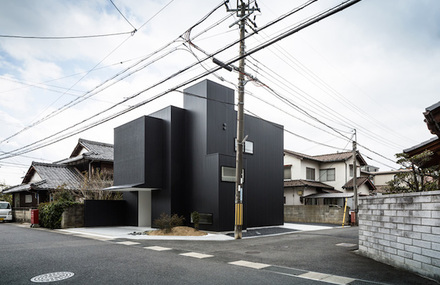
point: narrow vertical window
(287, 172)
(310, 173)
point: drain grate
(52, 277)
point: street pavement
(310, 253)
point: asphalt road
(286, 259)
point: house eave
(131, 187)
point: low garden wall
(402, 230)
(21, 215)
(315, 214)
(73, 217)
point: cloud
(380, 56)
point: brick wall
(402, 230)
(314, 214)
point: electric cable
(65, 37)
(90, 93)
(268, 43)
(114, 5)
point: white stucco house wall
(322, 179)
(381, 178)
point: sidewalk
(135, 233)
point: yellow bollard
(345, 210)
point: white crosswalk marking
(157, 248)
(333, 279)
(128, 242)
(196, 255)
(254, 265)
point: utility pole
(238, 227)
(243, 12)
(355, 192)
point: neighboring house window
(351, 170)
(17, 200)
(327, 174)
(28, 199)
(310, 173)
(287, 172)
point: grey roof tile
(52, 176)
(97, 150)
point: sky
(78, 69)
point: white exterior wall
(35, 178)
(298, 171)
(292, 197)
(296, 165)
(309, 164)
(288, 194)
(382, 179)
(363, 190)
(341, 174)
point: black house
(183, 160)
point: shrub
(51, 213)
(195, 217)
(166, 222)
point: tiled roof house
(322, 179)
(43, 178)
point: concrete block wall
(314, 214)
(73, 217)
(402, 230)
(21, 215)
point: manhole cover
(52, 277)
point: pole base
(238, 231)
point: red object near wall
(34, 217)
(353, 218)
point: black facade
(183, 154)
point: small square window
(327, 175)
(28, 199)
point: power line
(114, 5)
(113, 106)
(72, 103)
(299, 136)
(268, 43)
(59, 110)
(157, 13)
(324, 109)
(65, 37)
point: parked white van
(5, 211)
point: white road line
(327, 278)
(157, 248)
(93, 237)
(128, 242)
(346, 244)
(196, 255)
(254, 265)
